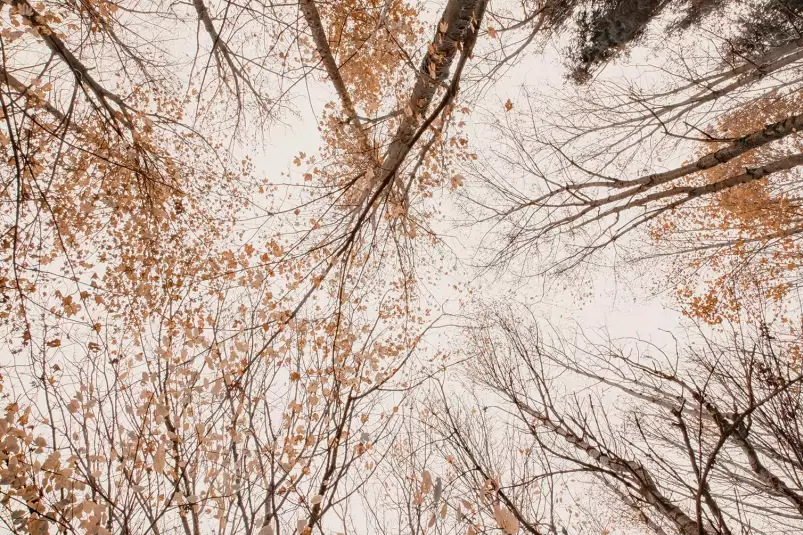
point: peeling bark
(459, 20)
(632, 471)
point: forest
(401, 267)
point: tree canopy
(275, 268)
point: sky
(617, 301)
(620, 300)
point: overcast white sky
(620, 301)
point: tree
(745, 237)
(700, 439)
(767, 26)
(191, 346)
(608, 28)
(605, 28)
(175, 368)
(582, 176)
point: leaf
(426, 482)
(73, 406)
(266, 530)
(315, 500)
(506, 520)
(508, 105)
(217, 387)
(54, 343)
(457, 181)
(491, 32)
(159, 459)
(70, 308)
(432, 520)
(301, 525)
